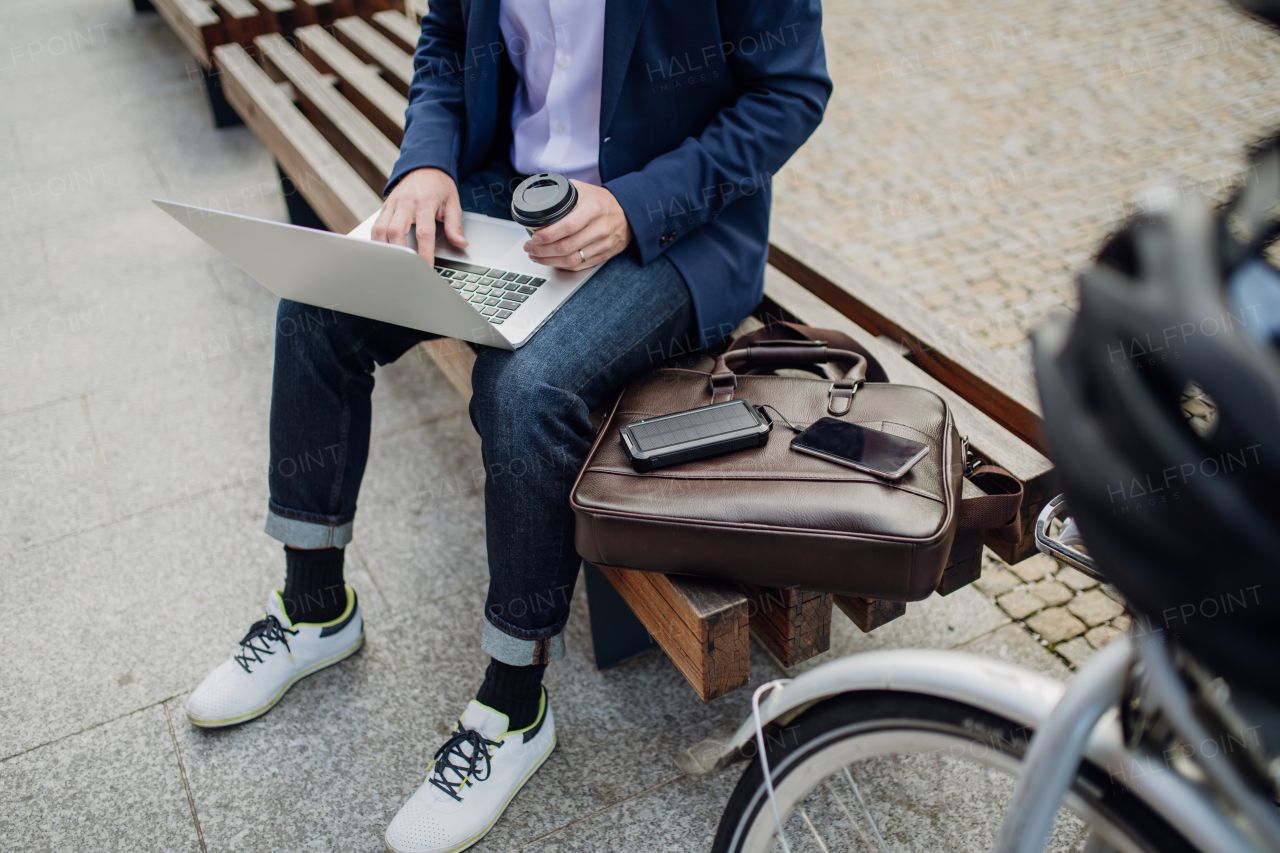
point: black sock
(313, 587)
(513, 690)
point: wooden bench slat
(415, 9)
(793, 624)
(240, 20)
(697, 600)
(716, 657)
(320, 12)
(373, 47)
(869, 613)
(455, 359)
(989, 439)
(196, 25)
(332, 187)
(397, 27)
(281, 16)
(240, 9)
(368, 8)
(1003, 391)
(363, 86)
(361, 144)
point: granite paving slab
(674, 817)
(1012, 644)
(52, 481)
(26, 294)
(203, 425)
(134, 612)
(116, 786)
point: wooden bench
(202, 25)
(329, 104)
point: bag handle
(794, 345)
(999, 510)
(797, 333)
(784, 344)
(773, 354)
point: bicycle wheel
(884, 772)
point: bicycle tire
(854, 722)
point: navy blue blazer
(701, 104)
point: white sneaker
(471, 780)
(273, 655)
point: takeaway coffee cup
(542, 199)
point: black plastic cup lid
(543, 199)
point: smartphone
(859, 447)
(694, 434)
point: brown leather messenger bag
(774, 517)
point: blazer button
(667, 238)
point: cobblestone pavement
(1064, 610)
(973, 155)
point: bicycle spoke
(849, 816)
(816, 837)
(866, 811)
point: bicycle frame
(1079, 719)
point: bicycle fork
(1057, 749)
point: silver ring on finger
(584, 257)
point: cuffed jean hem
(517, 652)
(307, 534)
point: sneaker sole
(254, 714)
(475, 839)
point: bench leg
(143, 6)
(870, 613)
(224, 115)
(793, 624)
(616, 633)
(966, 562)
(300, 211)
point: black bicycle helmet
(1185, 522)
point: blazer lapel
(621, 24)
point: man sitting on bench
(671, 118)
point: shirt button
(559, 128)
(562, 63)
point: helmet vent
(1199, 410)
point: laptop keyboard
(497, 293)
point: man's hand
(597, 226)
(422, 197)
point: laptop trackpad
(486, 241)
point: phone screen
(860, 447)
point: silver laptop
(489, 293)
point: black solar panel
(690, 426)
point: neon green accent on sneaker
(351, 602)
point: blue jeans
(530, 408)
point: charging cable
(764, 759)
(794, 428)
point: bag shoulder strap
(1000, 509)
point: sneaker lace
(470, 767)
(268, 631)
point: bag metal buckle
(968, 461)
(834, 393)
